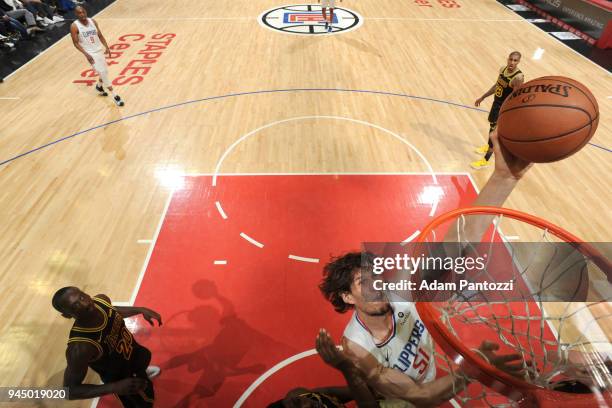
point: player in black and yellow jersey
(510, 78)
(100, 340)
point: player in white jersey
(407, 347)
(388, 340)
(87, 38)
(328, 5)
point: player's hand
(150, 315)
(328, 351)
(506, 162)
(478, 102)
(512, 364)
(129, 386)
(89, 59)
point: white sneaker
(153, 371)
(119, 102)
(57, 19)
(34, 29)
(48, 21)
(3, 37)
(39, 18)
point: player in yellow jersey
(510, 78)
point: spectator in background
(61, 5)
(16, 13)
(42, 9)
(5, 39)
(43, 12)
(11, 24)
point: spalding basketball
(548, 119)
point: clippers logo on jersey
(411, 351)
(408, 347)
(307, 19)
(89, 33)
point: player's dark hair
(516, 53)
(338, 276)
(57, 296)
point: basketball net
(565, 345)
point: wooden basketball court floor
(85, 184)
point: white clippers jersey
(88, 36)
(408, 349)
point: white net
(561, 324)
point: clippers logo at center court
(307, 19)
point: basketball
(548, 119)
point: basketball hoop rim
(469, 361)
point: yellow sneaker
(482, 150)
(480, 164)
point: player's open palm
(328, 350)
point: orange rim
(469, 361)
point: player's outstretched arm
(357, 384)
(78, 356)
(393, 384)
(490, 92)
(129, 311)
(148, 314)
(509, 170)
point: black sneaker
(118, 101)
(101, 90)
